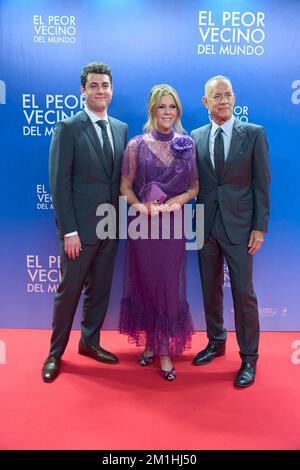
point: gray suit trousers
(211, 260)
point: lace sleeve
(130, 159)
(194, 176)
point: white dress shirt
(94, 118)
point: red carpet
(96, 406)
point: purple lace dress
(154, 309)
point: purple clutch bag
(155, 193)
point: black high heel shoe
(145, 360)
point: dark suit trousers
(91, 271)
(211, 261)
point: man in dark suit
(234, 180)
(85, 157)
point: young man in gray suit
(85, 156)
(234, 181)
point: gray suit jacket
(78, 178)
(243, 192)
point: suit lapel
(118, 149)
(89, 129)
(236, 144)
(203, 150)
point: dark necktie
(107, 150)
(219, 153)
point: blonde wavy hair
(156, 93)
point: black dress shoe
(246, 375)
(50, 368)
(209, 353)
(98, 353)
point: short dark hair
(95, 67)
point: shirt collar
(94, 118)
(226, 127)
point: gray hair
(218, 78)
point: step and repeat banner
(44, 46)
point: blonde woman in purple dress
(159, 175)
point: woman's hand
(139, 207)
(150, 208)
(174, 204)
(153, 208)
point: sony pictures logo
(54, 29)
(273, 311)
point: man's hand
(72, 246)
(255, 241)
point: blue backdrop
(44, 46)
